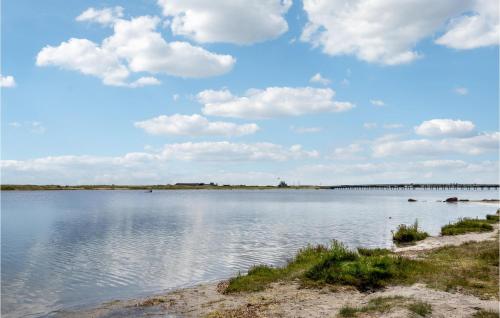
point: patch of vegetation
(493, 218)
(385, 304)
(471, 268)
(485, 314)
(334, 265)
(467, 225)
(408, 234)
(420, 308)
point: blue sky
(149, 92)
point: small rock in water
(452, 199)
(412, 200)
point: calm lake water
(65, 249)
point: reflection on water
(77, 248)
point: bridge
(413, 186)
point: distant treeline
(200, 186)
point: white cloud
(235, 21)
(393, 172)
(35, 127)
(445, 127)
(393, 126)
(475, 145)
(370, 125)
(176, 97)
(384, 31)
(377, 102)
(473, 30)
(350, 152)
(194, 125)
(271, 102)
(145, 81)
(461, 91)
(7, 81)
(318, 78)
(85, 56)
(227, 151)
(106, 16)
(306, 130)
(134, 47)
(148, 163)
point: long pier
(413, 186)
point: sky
(238, 92)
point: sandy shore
(289, 300)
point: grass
(334, 265)
(485, 314)
(408, 234)
(470, 268)
(467, 225)
(385, 304)
(492, 218)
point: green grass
(470, 268)
(493, 218)
(333, 265)
(420, 308)
(485, 314)
(408, 234)
(467, 225)
(385, 304)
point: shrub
(408, 234)
(466, 225)
(493, 218)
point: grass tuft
(386, 304)
(408, 234)
(420, 308)
(485, 314)
(467, 225)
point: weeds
(408, 234)
(467, 225)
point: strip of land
(443, 276)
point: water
(65, 249)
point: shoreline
(289, 298)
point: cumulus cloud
(145, 81)
(227, 151)
(384, 31)
(7, 81)
(445, 127)
(472, 30)
(106, 16)
(235, 21)
(377, 102)
(134, 47)
(193, 125)
(404, 172)
(175, 160)
(475, 145)
(318, 78)
(271, 102)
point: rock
(412, 200)
(452, 199)
(464, 200)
